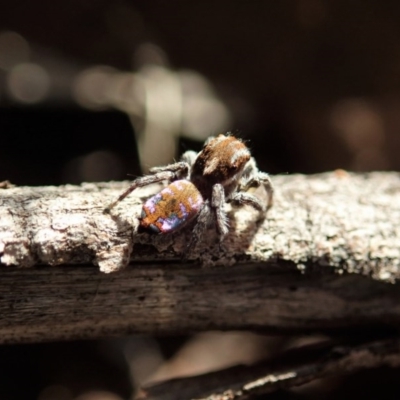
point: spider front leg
(203, 221)
(246, 198)
(181, 169)
(189, 157)
(255, 179)
(242, 198)
(168, 173)
(217, 205)
(211, 210)
(263, 178)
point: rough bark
(324, 259)
(344, 221)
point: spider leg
(256, 178)
(202, 222)
(181, 169)
(262, 178)
(205, 218)
(143, 181)
(217, 205)
(189, 157)
(243, 198)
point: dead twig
(295, 368)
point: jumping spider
(199, 186)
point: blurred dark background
(97, 90)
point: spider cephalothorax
(222, 160)
(199, 186)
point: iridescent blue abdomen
(172, 208)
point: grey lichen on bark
(339, 220)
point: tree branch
(345, 221)
(307, 267)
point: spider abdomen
(171, 208)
